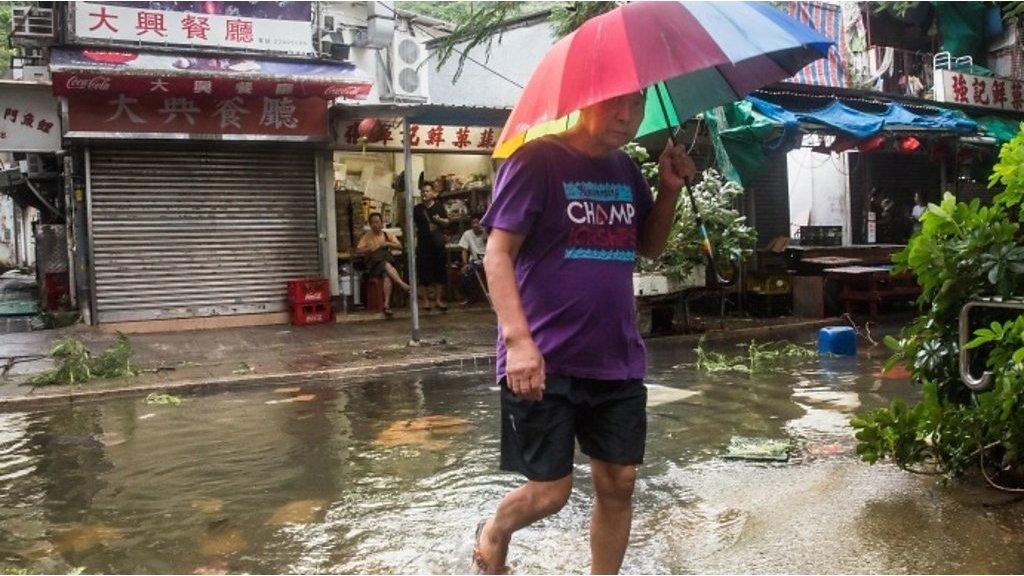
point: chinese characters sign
(984, 91)
(282, 27)
(262, 116)
(475, 139)
(30, 119)
(106, 72)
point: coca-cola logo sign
(88, 83)
(346, 91)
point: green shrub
(963, 252)
(731, 237)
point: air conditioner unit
(380, 24)
(35, 73)
(408, 69)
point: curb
(719, 334)
(17, 403)
(196, 386)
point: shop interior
(373, 182)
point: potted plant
(682, 264)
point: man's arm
(674, 169)
(524, 364)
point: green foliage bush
(732, 238)
(963, 252)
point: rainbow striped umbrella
(697, 55)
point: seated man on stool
(376, 246)
(474, 245)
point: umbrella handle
(702, 231)
(705, 244)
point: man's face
(615, 122)
(477, 228)
(376, 224)
(428, 192)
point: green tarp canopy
(999, 127)
(739, 133)
(962, 25)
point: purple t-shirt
(581, 218)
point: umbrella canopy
(701, 55)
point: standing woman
(430, 219)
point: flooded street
(391, 476)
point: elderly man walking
(569, 216)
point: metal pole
(16, 225)
(69, 228)
(410, 243)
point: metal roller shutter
(188, 232)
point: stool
(375, 294)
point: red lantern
(908, 144)
(871, 144)
(371, 130)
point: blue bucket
(838, 340)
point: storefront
(202, 179)
(450, 149)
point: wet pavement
(223, 357)
(390, 474)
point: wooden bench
(872, 284)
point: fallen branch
(866, 334)
(989, 479)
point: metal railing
(984, 382)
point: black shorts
(607, 417)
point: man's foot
(485, 552)
(442, 306)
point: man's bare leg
(395, 276)
(518, 509)
(611, 516)
(387, 292)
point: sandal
(479, 565)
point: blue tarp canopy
(860, 124)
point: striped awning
(827, 20)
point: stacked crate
(310, 301)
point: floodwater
(390, 476)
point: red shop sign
(304, 118)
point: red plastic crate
(55, 288)
(313, 313)
(309, 290)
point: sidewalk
(265, 355)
